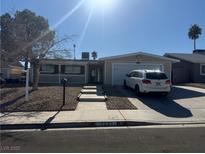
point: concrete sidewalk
(97, 116)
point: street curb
(44, 126)
(74, 125)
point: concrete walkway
(91, 98)
(86, 106)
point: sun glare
(102, 4)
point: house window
(202, 69)
(49, 69)
(69, 69)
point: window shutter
(56, 69)
(40, 67)
(82, 70)
(62, 69)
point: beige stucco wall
(11, 72)
(132, 59)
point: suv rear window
(155, 75)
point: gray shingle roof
(194, 58)
(139, 53)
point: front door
(95, 74)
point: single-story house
(190, 69)
(108, 70)
(76, 71)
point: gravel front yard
(47, 98)
(117, 100)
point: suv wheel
(164, 94)
(137, 90)
(125, 84)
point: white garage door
(119, 70)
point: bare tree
(27, 36)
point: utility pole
(27, 85)
(74, 46)
(27, 78)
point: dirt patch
(117, 100)
(49, 98)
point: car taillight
(146, 81)
(167, 82)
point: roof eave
(139, 53)
(181, 59)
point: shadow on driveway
(181, 93)
(167, 105)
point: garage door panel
(119, 70)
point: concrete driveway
(178, 104)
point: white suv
(145, 81)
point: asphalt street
(106, 140)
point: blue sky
(154, 26)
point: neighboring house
(190, 69)
(199, 51)
(11, 70)
(108, 70)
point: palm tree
(94, 55)
(194, 33)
